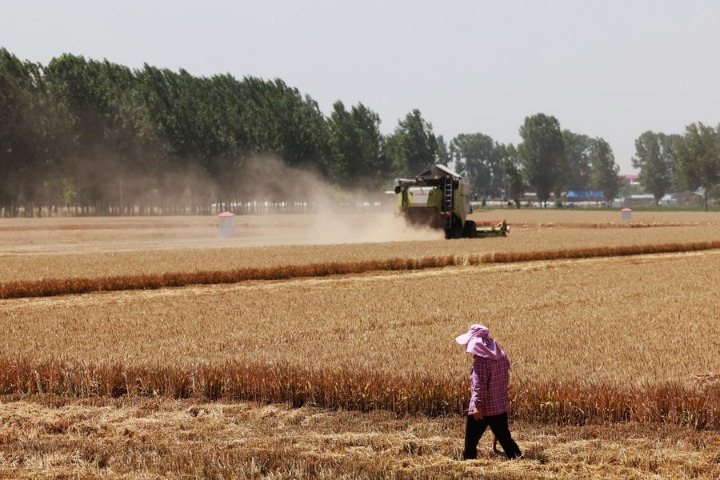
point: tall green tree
(279, 120)
(14, 107)
(654, 158)
(93, 93)
(47, 153)
(167, 98)
(577, 151)
(542, 153)
(478, 155)
(669, 146)
(604, 173)
(199, 120)
(511, 166)
(131, 142)
(412, 147)
(213, 153)
(33, 135)
(698, 154)
(444, 156)
(358, 159)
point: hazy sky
(611, 68)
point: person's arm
(478, 387)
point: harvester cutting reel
(493, 229)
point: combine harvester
(440, 198)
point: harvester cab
(440, 198)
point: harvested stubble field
(614, 357)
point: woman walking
(489, 401)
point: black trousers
(498, 424)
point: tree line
(103, 139)
(669, 163)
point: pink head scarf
(477, 342)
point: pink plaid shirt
(489, 380)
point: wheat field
(599, 346)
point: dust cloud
(273, 205)
(333, 215)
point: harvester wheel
(456, 231)
(470, 229)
